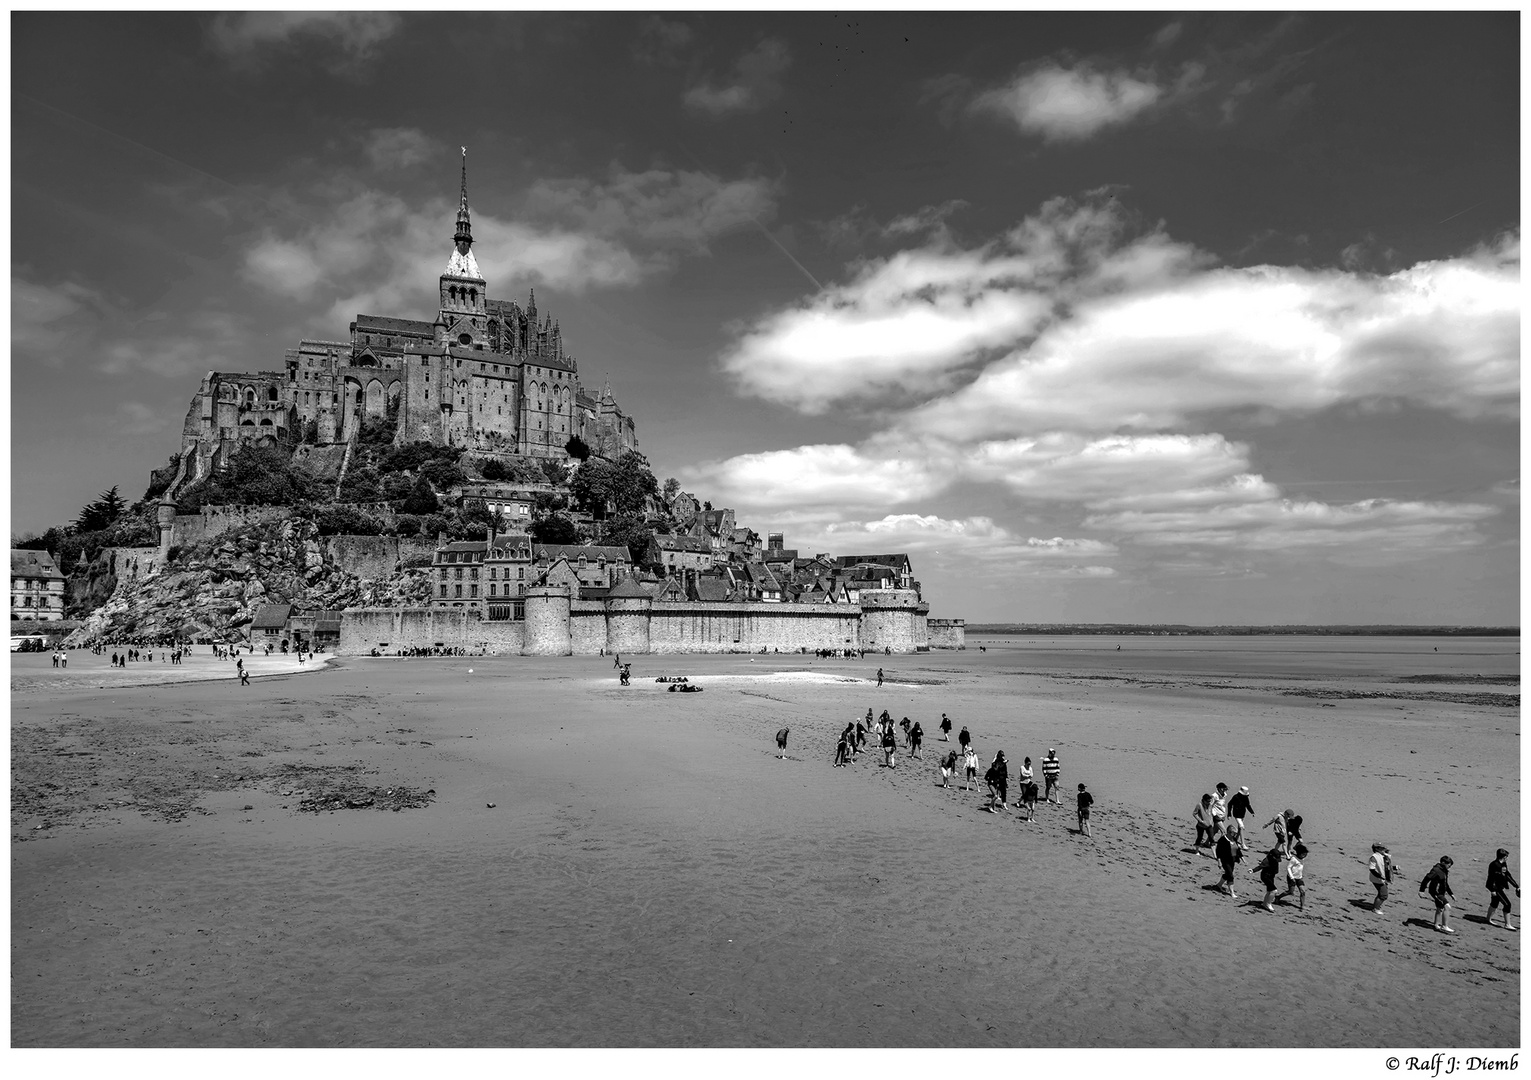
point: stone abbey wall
(389, 630)
(688, 627)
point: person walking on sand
(1293, 831)
(1294, 872)
(781, 743)
(916, 737)
(1379, 869)
(861, 736)
(1023, 775)
(1220, 800)
(1239, 806)
(998, 779)
(1201, 813)
(842, 751)
(1227, 855)
(1052, 768)
(963, 738)
(244, 677)
(970, 767)
(1278, 823)
(879, 676)
(1029, 800)
(1086, 800)
(948, 767)
(1500, 879)
(1436, 883)
(906, 726)
(889, 747)
(946, 728)
(1267, 871)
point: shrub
(360, 485)
(421, 499)
(492, 469)
(348, 520)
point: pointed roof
(628, 589)
(462, 263)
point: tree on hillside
(422, 499)
(629, 530)
(491, 469)
(554, 472)
(671, 489)
(256, 476)
(554, 529)
(577, 448)
(624, 484)
(107, 508)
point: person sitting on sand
(1086, 800)
(946, 728)
(970, 764)
(1380, 869)
(1267, 872)
(1201, 813)
(1294, 872)
(1499, 880)
(948, 767)
(1436, 883)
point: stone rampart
(947, 633)
(394, 630)
(893, 620)
(687, 627)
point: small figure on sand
(1201, 814)
(1220, 800)
(998, 778)
(1499, 880)
(970, 765)
(1436, 884)
(1294, 872)
(1267, 872)
(842, 750)
(625, 675)
(1239, 806)
(1380, 868)
(879, 676)
(948, 767)
(963, 738)
(781, 743)
(916, 737)
(1085, 801)
(244, 677)
(889, 747)
(1029, 800)
(905, 726)
(1052, 768)
(1227, 854)
(946, 728)
(861, 734)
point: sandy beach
(596, 865)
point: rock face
(211, 591)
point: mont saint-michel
(451, 485)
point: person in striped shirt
(1051, 767)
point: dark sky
(1111, 316)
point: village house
(269, 626)
(37, 587)
(672, 553)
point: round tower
(165, 516)
(628, 609)
(893, 620)
(547, 621)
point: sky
(1101, 317)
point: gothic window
(271, 394)
(473, 295)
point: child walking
(1294, 871)
(970, 763)
(1500, 879)
(1086, 800)
(948, 767)
(1436, 883)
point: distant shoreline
(1177, 630)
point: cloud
(659, 41)
(1148, 469)
(400, 148)
(756, 81)
(833, 475)
(45, 318)
(245, 37)
(1374, 530)
(1064, 104)
(373, 250)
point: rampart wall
(947, 633)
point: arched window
(271, 394)
(452, 292)
(250, 397)
(473, 296)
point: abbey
(488, 375)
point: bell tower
(463, 322)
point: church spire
(462, 263)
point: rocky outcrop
(211, 590)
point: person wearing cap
(1500, 879)
(1051, 767)
(1380, 868)
(1440, 891)
(1240, 805)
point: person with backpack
(1439, 887)
(1380, 869)
(1499, 879)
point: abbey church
(486, 375)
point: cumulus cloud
(45, 317)
(368, 253)
(1070, 104)
(1075, 468)
(1368, 531)
(354, 35)
(952, 541)
(755, 81)
(1072, 321)
(400, 148)
(817, 476)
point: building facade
(37, 587)
(489, 375)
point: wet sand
(651, 874)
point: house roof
(572, 552)
(683, 543)
(712, 590)
(34, 564)
(628, 589)
(465, 545)
(271, 616)
(399, 326)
